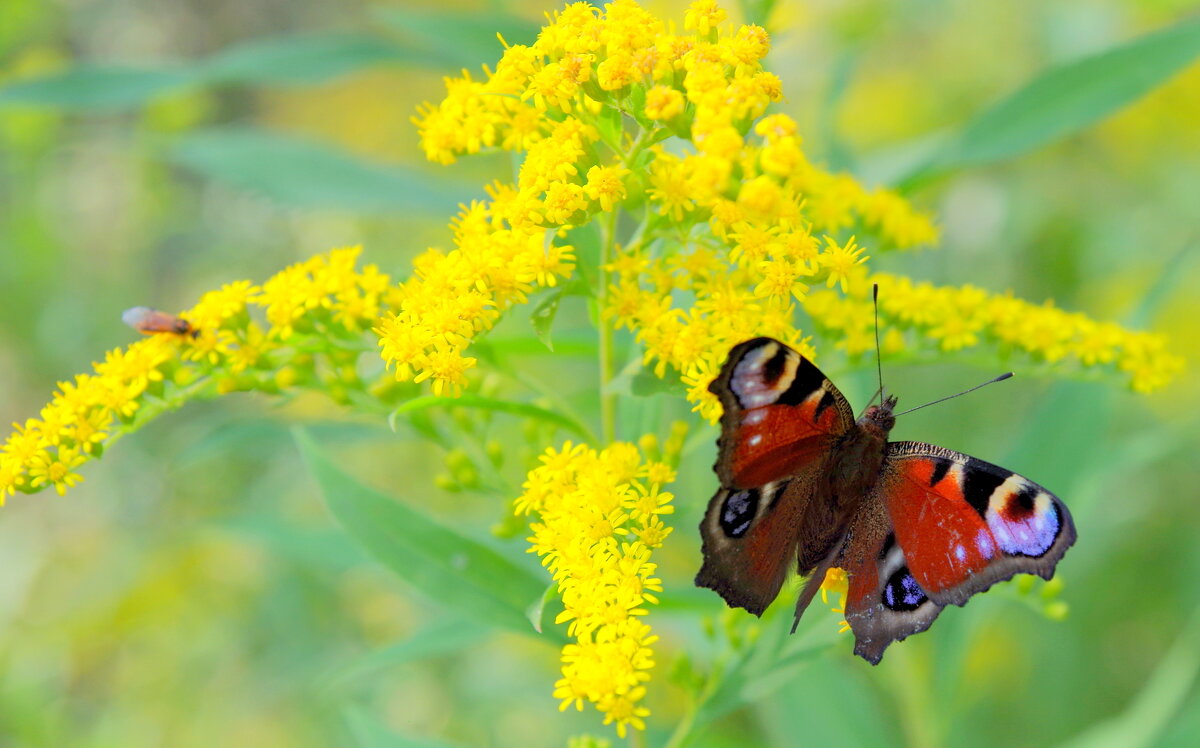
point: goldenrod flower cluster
(955, 318)
(590, 104)
(597, 517)
(739, 224)
(229, 350)
(451, 297)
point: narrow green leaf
(312, 175)
(1173, 273)
(645, 384)
(449, 568)
(542, 317)
(490, 403)
(537, 611)
(438, 639)
(757, 12)
(303, 59)
(1069, 98)
(1060, 102)
(94, 88)
(456, 38)
(369, 732)
(765, 670)
(1156, 706)
(309, 58)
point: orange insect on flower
(151, 321)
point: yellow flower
(839, 261)
(670, 186)
(605, 185)
(664, 103)
(563, 200)
(56, 469)
(703, 16)
(10, 476)
(584, 503)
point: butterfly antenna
(878, 360)
(1000, 378)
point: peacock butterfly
(916, 527)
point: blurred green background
(194, 589)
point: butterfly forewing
(780, 413)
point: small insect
(151, 321)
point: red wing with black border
(781, 418)
(965, 524)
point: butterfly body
(914, 526)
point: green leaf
(451, 569)
(456, 38)
(771, 664)
(542, 317)
(493, 404)
(369, 732)
(1069, 98)
(309, 58)
(611, 125)
(757, 12)
(1073, 96)
(94, 88)
(537, 611)
(1172, 274)
(1156, 707)
(645, 383)
(438, 639)
(308, 174)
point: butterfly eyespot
(738, 512)
(1020, 505)
(902, 591)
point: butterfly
(915, 527)
(150, 321)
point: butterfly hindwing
(965, 524)
(884, 602)
(781, 417)
(749, 541)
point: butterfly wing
(781, 417)
(965, 524)
(884, 603)
(780, 412)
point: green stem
(608, 401)
(912, 691)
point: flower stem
(608, 401)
